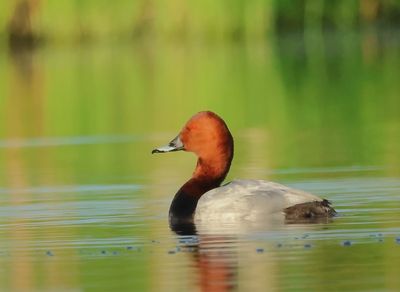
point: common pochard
(202, 198)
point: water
(83, 203)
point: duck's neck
(209, 174)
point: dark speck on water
(129, 247)
(346, 243)
(307, 245)
(188, 240)
(398, 239)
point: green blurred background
(310, 90)
(327, 70)
(79, 21)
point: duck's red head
(207, 135)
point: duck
(203, 198)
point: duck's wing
(249, 200)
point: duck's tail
(310, 211)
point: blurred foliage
(66, 21)
(335, 94)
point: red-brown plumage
(206, 135)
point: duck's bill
(174, 145)
(164, 149)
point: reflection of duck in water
(202, 199)
(215, 259)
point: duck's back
(251, 200)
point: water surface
(83, 203)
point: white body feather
(248, 200)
